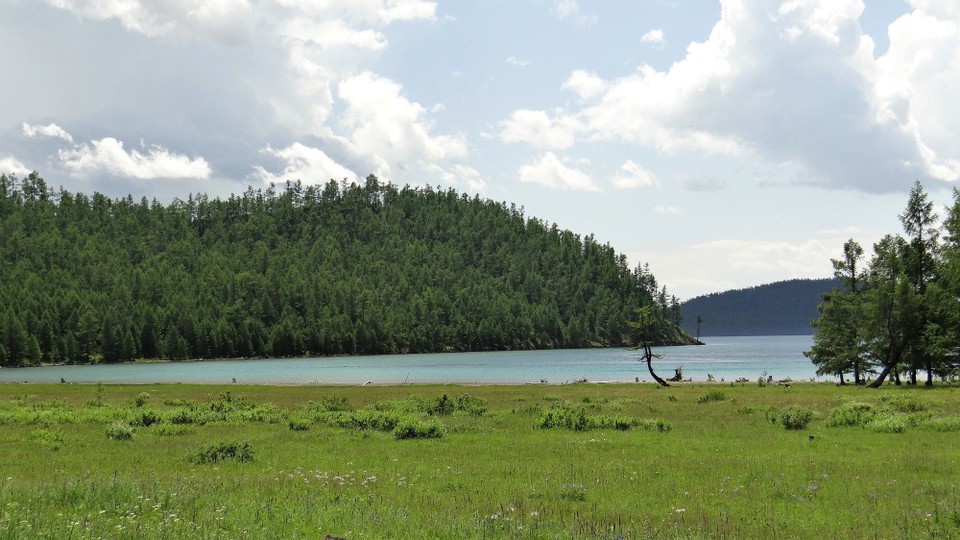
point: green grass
(302, 462)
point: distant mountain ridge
(781, 308)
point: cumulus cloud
(11, 165)
(517, 63)
(569, 9)
(548, 170)
(653, 37)
(228, 21)
(383, 124)
(630, 175)
(793, 85)
(460, 174)
(50, 130)
(301, 162)
(539, 129)
(108, 156)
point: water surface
(724, 358)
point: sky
(725, 143)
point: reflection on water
(725, 358)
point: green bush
(903, 403)
(851, 414)
(299, 423)
(653, 424)
(795, 417)
(368, 419)
(412, 428)
(181, 416)
(941, 424)
(713, 395)
(145, 418)
(222, 451)
(442, 405)
(334, 403)
(120, 432)
(889, 423)
(141, 399)
(472, 405)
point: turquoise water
(723, 357)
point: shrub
(141, 399)
(850, 414)
(120, 432)
(795, 417)
(941, 424)
(889, 423)
(563, 416)
(671, 397)
(299, 423)
(412, 428)
(473, 405)
(442, 405)
(222, 451)
(334, 403)
(181, 416)
(145, 418)
(653, 424)
(713, 395)
(903, 403)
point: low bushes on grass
(791, 417)
(412, 428)
(941, 424)
(903, 403)
(144, 418)
(120, 432)
(222, 451)
(851, 414)
(713, 395)
(299, 423)
(889, 423)
(167, 430)
(576, 418)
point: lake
(723, 357)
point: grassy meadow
(570, 461)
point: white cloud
(538, 129)
(653, 37)
(381, 122)
(301, 162)
(517, 63)
(918, 79)
(548, 170)
(50, 130)
(667, 210)
(11, 165)
(586, 85)
(108, 156)
(228, 21)
(462, 175)
(569, 9)
(630, 175)
(794, 85)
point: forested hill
(334, 269)
(782, 308)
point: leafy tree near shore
(901, 315)
(334, 269)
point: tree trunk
(856, 373)
(913, 376)
(842, 382)
(883, 375)
(648, 355)
(929, 373)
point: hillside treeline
(775, 309)
(319, 270)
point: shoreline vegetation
(333, 269)
(488, 461)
